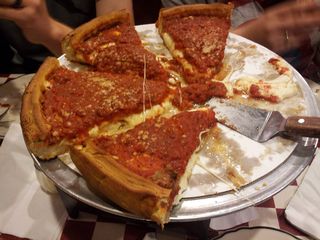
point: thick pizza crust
(103, 173)
(91, 28)
(217, 9)
(110, 180)
(150, 197)
(34, 125)
(38, 131)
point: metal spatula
(261, 125)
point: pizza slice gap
(145, 169)
(63, 107)
(196, 35)
(110, 43)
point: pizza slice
(110, 43)
(62, 107)
(144, 169)
(196, 37)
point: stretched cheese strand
(237, 192)
(217, 176)
(144, 87)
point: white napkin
(26, 210)
(11, 94)
(234, 219)
(303, 210)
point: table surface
(93, 225)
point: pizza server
(262, 125)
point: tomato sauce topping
(254, 92)
(119, 49)
(202, 39)
(129, 58)
(276, 63)
(198, 93)
(122, 33)
(159, 148)
(77, 101)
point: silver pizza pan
(195, 208)
(203, 207)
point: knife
(262, 125)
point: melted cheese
(194, 159)
(229, 87)
(183, 183)
(123, 125)
(176, 53)
(281, 87)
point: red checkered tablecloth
(89, 226)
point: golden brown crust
(34, 125)
(216, 9)
(111, 180)
(91, 28)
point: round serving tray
(195, 208)
(202, 207)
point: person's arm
(106, 6)
(40, 28)
(283, 27)
(36, 24)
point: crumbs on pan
(227, 159)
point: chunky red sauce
(119, 50)
(159, 148)
(129, 58)
(254, 92)
(202, 39)
(122, 33)
(280, 69)
(77, 101)
(198, 93)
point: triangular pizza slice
(110, 43)
(144, 169)
(63, 107)
(196, 37)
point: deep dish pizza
(135, 154)
(61, 106)
(133, 133)
(143, 169)
(111, 44)
(196, 37)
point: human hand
(9, 3)
(36, 24)
(285, 26)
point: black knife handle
(303, 126)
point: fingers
(304, 14)
(285, 40)
(294, 40)
(296, 7)
(289, 25)
(19, 14)
(9, 13)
